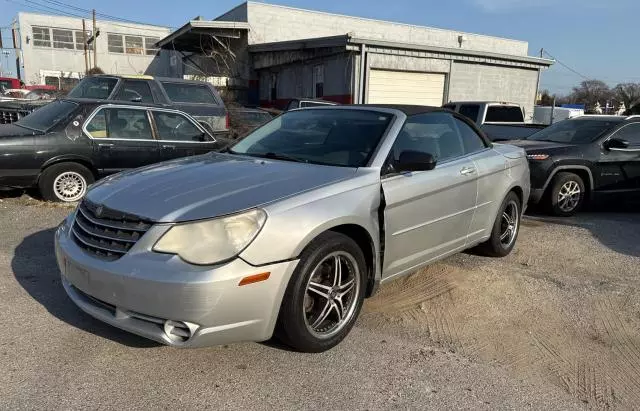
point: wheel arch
(582, 171)
(362, 237)
(70, 159)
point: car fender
(559, 168)
(86, 161)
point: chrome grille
(105, 233)
(11, 116)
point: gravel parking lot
(556, 325)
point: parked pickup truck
(499, 121)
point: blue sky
(596, 38)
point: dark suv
(582, 158)
(199, 99)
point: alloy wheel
(331, 294)
(69, 186)
(509, 224)
(569, 196)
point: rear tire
(505, 228)
(65, 182)
(320, 307)
(567, 194)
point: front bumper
(147, 293)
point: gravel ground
(553, 326)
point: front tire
(505, 228)
(65, 182)
(325, 294)
(567, 194)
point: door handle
(105, 145)
(169, 146)
(467, 171)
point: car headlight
(212, 241)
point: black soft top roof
(407, 109)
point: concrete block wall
(484, 82)
(271, 23)
(36, 59)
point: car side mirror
(410, 160)
(616, 143)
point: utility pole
(95, 41)
(541, 52)
(84, 45)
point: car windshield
(94, 87)
(345, 138)
(574, 131)
(48, 116)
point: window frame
(109, 46)
(72, 43)
(141, 48)
(150, 51)
(77, 34)
(216, 99)
(454, 115)
(615, 132)
(151, 120)
(47, 30)
(115, 106)
(120, 86)
(478, 133)
(211, 138)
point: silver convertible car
(290, 229)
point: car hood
(208, 186)
(12, 130)
(23, 104)
(538, 146)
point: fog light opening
(178, 331)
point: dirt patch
(562, 309)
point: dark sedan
(66, 145)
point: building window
(62, 39)
(80, 40)
(41, 37)
(133, 45)
(114, 43)
(150, 45)
(318, 81)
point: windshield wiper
(280, 156)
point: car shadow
(616, 226)
(35, 268)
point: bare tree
(628, 93)
(546, 99)
(590, 92)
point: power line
(47, 9)
(69, 6)
(565, 66)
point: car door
(428, 213)
(179, 136)
(619, 168)
(491, 169)
(122, 138)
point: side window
(470, 110)
(471, 141)
(135, 90)
(120, 123)
(433, 133)
(631, 133)
(189, 93)
(176, 127)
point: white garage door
(404, 87)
